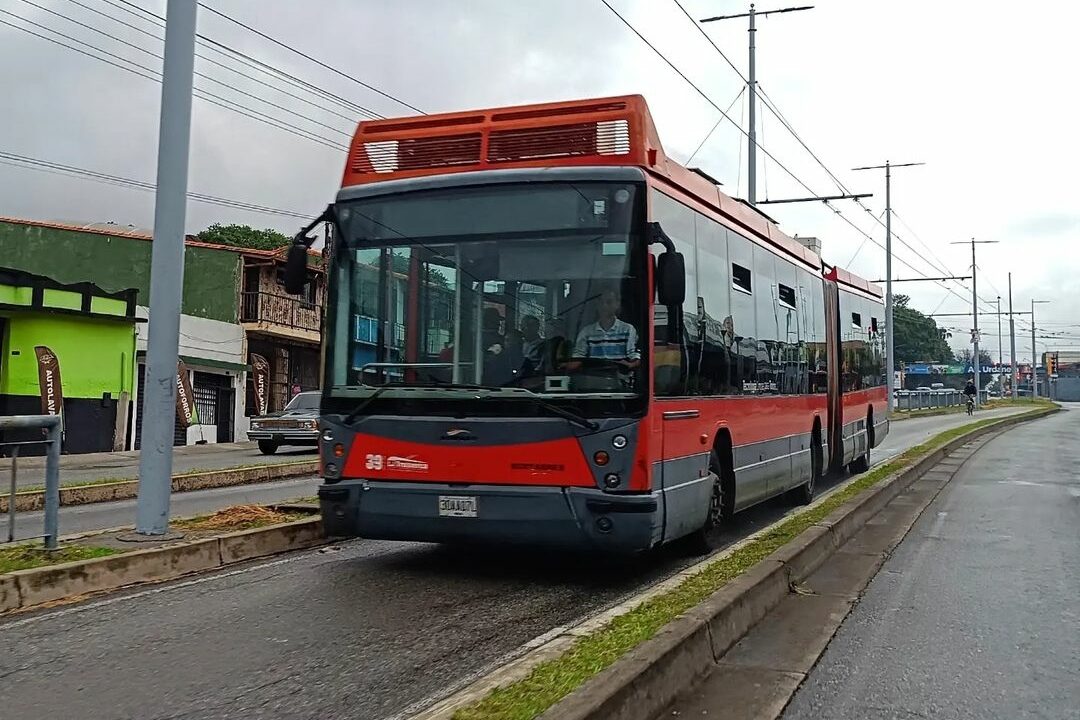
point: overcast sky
(980, 92)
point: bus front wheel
(709, 536)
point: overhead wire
(716, 125)
(39, 164)
(304, 55)
(196, 73)
(296, 82)
(775, 112)
(241, 57)
(153, 75)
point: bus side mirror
(296, 269)
(671, 278)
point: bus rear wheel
(862, 463)
(804, 494)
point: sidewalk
(125, 465)
(974, 615)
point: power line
(709, 134)
(318, 62)
(205, 95)
(779, 116)
(238, 56)
(701, 92)
(152, 54)
(318, 92)
(32, 163)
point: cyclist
(970, 391)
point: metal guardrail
(927, 399)
(52, 424)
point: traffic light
(1051, 364)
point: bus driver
(609, 338)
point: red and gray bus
(541, 329)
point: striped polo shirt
(617, 343)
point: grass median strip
(25, 557)
(554, 679)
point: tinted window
(671, 357)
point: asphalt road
(361, 631)
(99, 516)
(975, 615)
(125, 465)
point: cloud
(969, 94)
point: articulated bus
(541, 329)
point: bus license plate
(457, 506)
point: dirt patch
(238, 517)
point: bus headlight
(328, 435)
(618, 442)
(612, 480)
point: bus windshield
(537, 287)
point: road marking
(165, 587)
(1026, 483)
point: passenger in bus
(609, 338)
(555, 351)
(532, 343)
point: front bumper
(569, 517)
(285, 436)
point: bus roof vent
(388, 156)
(605, 137)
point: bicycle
(970, 405)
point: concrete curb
(27, 588)
(642, 683)
(127, 489)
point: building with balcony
(285, 329)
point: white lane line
(82, 607)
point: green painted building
(233, 305)
(92, 332)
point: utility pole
(166, 271)
(751, 154)
(1034, 365)
(976, 363)
(1012, 344)
(889, 345)
(1000, 389)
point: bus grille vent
(389, 156)
(609, 137)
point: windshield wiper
(355, 412)
(554, 409)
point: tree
(964, 357)
(244, 236)
(916, 337)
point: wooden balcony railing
(286, 310)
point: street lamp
(1034, 363)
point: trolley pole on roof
(166, 272)
(890, 351)
(751, 82)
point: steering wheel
(601, 364)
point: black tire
(709, 536)
(862, 463)
(804, 494)
(267, 447)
